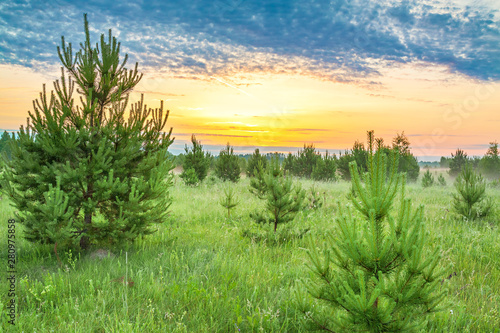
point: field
(204, 272)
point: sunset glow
(231, 87)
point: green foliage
(427, 179)
(253, 163)
(196, 160)
(325, 168)
(375, 275)
(257, 182)
(315, 198)
(283, 200)
(470, 200)
(4, 144)
(229, 201)
(457, 162)
(490, 163)
(190, 177)
(227, 166)
(441, 180)
(258, 185)
(305, 161)
(86, 173)
(289, 163)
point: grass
(204, 272)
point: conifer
(375, 274)
(89, 173)
(283, 199)
(470, 200)
(427, 179)
(227, 166)
(229, 201)
(196, 160)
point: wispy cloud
(339, 40)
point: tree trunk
(85, 240)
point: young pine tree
(376, 275)
(229, 201)
(196, 159)
(253, 163)
(470, 200)
(427, 179)
(87, 173)
(441, 180)
(227, 166)
(283, 199)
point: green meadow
(203, 271)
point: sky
(280, 74)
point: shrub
(470, 199)
(375, 275)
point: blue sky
(341, 40)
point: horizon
(280, 76)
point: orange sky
(438, 111)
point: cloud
(339, 40)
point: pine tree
(457, 162)
(470, 200)
(229, 201)
(258, 183)
(325, 168)
(227, 166)
(305, 161)
(283, 199)
(375, 275)
(196, 159)
(427, 179)
(86, 173)
(441, 180)
(190, 177)
(253, 162)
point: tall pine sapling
(375, 275)
(90, 173)
(470, 200)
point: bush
(470, 200)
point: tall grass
(199, 273)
